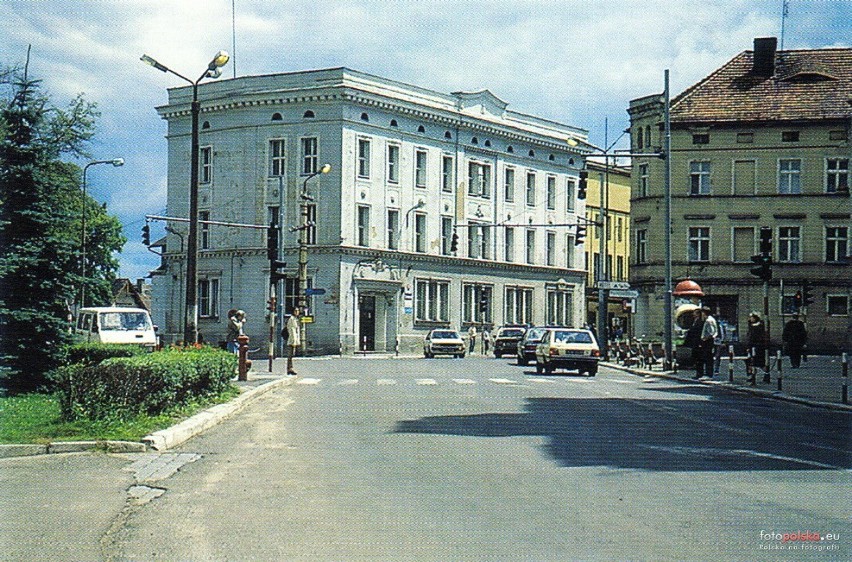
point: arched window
(365, 117)
(474, 140)
(487, 142)
(277, 117)
(394, 123)
(510, 149)
(648, 136)
(309, 114)
(205, 125)
(532, 153)
(551, 157)
(421, 129)
(448, 135)
(640, 140)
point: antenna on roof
(785, 11)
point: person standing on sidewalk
(795, 337)
(294, 337)
(709, 333)
(756, 340)
(486, 340)
(471, 334)
(692, 340)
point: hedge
(90, 353)
(121, 387)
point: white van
(115, 325)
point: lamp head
(326, 168)
(220, 60)
(572, 141)
(117, 162)
(148, 60)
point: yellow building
(615, 246)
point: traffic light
(146, 234)
(483, 303)
(270, 304)
(581, 235)
(274, 275)
(766, 240)
(797, 300)
(583, 185)
(807, 295)
(273, 233)
(454, 243)
(763, 269)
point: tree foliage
(40, 230)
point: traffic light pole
(767, 352)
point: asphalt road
(478, 459)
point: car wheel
(498, 355)
(592, 372)
(548, 369)
(461, 356)
(522, 361)
(539, 368)
(425, 355)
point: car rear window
(124, 321)
(566, 336)
(510, 334)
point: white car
(115, 325)
(567, 348)
(443, 342)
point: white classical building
(409, 167)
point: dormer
(481, 103)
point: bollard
(780, 371)
(730, 363)
(845, 379)
(244, 363)
(751, 369)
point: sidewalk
(817, 382)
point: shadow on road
(665, 435)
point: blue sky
(578, 62)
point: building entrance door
(367, 323)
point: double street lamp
(213, 70)
(303, 244)
(115, 162)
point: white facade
(408, 166)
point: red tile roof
(808, 84)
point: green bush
(92, 353)
(150, 383)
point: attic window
(448, 135)
(487, 143)
(701, 138)
(309, 114)
(532, 153)
(745, 138)
(837, 135)
(474, 140)
(206, 125)
(510, 149)
(394, 123)
(277, 117)
(365, 117)
(421, 129)
(789, 136)
(551, 157)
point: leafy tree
(40, 228)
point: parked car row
(550, 347)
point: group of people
(706, 337)
(291, 332)
(486, 339)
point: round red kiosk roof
(688, 288)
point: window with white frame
(837, 305)
(560, 307)
(485, 242)
(208, 298)
(420, 241)
(836, 243)
(277, 158)
(642, 246)
(789, 244)
(699, 178)
(473, 243)
(310, 155)
(570, 250)
(643, 180)
(742, 249)
(551, 193)
(291, 294)
(836, 175)
(205, 229)
(518, 305)
(420, 168)
(509, 244)
(479, 179)
(446, 235)
(530, 256)
(433, 300)
(393, 229)
(364, 158)
(205, 163)
(699, 244)
(789, 176)
(393, 163)
(363, 226)
(530, 189)
(476, 303)
(447, 174)
(311, 231)
(509, 185)
(550, 248)
(619, 269)
(570, 194)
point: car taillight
(596, 352)
(554, 352)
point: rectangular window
(789, 242)
(205, 164)
(837, 305)
(643, 180)
(393, 229)
(311, 231)
(701, 138)
(518, 305)
(551, 193)
(476, 303)
(836, 175)
(310, 155)
(560, 307)
(530, 246)
(291, 293)
(642, 246)
(447, 174)
(699, 244)
(433, 302)
(836, 243)
(745, 138)
(364, 158)
(208, 298)
(479, 179)
(570, 194)
(420, 233)
(790, 136)
(393, 163)
(509, 245)
(204, 229)
(569, 250)
(446, 235)
(509, 185)
(789, 176)
(619, 269)
(485, 243)
(550, 248)
(420, 168)
(277, 158)
(743, 244)
(363, 233)
(531, 189)
(699, 178)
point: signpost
(310, 292)
(613, 285)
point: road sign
(310, 292)
(618, 285)
(624, 294)
(307, 319)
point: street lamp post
(303, 248)
(115, 162)
(213, 70)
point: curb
(762, 393)
(159, 440)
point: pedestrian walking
(709, 333)
(471, 335)
(236, 322)
(722, 341)
(692, 340)
(293, 334)
(756, 340)
(795, 337)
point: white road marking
(704, 451)
(426, 382)
(622, 381)
(464, 381)
(542, 380)
(308, 381)
(348, 382)
(503, 381)
(386, 382)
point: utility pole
(667, 190)
(303, 250)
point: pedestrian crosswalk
(526, 381)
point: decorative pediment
(481, 103)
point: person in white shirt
(709, 333)
(294, 337)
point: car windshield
(510, 333)
(535, 334)
(445, 335)
(566, 336)
(124, 321)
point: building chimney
(764, 56)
